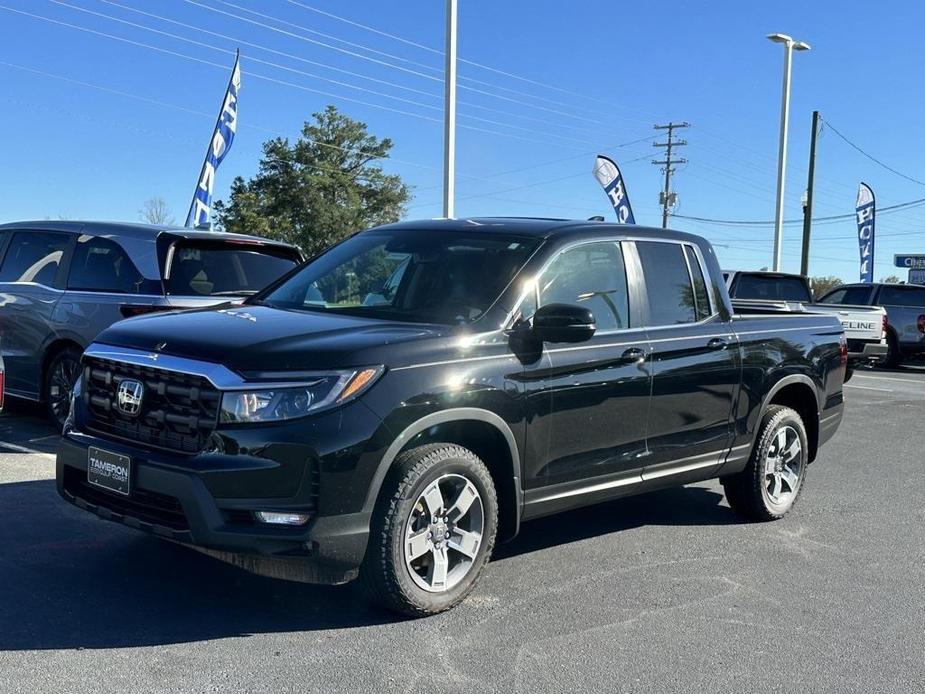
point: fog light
(272, 518)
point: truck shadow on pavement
(71, 581)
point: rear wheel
(60, 377)
(433, 530)
(893, 356)
(769, 485)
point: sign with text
(200, 211)
(865, 210)
(910, 260)
(608, 175)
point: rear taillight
(921, 324)
(883, 326)
(129, 310)
(843, 350)
(2, 384)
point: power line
(465, 78)
(473, 63)
(176, 107)
(872, 157)
(316, 42)
(832, 218)
(360, 46)
(273, 80)
(391, 65)
(262, 47)
(720, 137)
(312, 75)
(194, 42)
(559, 160)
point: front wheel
(769, 485)
(433, 530)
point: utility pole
(808, 207)
(667, 198)
(449, 115)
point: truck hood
(259, 338)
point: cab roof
(545, 227)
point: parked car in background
(905, 310)
(61, 283)
(419, 390)
(865, 326)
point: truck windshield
(772, 288)
(225, 268)
(416, 276)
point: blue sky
(91, 126)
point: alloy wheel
(60, 386)
(783, 466)
(444, 533)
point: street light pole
(789, 46)
(449, 115)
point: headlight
(272, 404)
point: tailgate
(859, 322)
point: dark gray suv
(61, 283)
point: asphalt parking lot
(669, 592)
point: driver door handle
(636, 354)
(717, 343)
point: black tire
(386, 574)
(894, 356)
(749, 492)
(60, 377)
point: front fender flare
(456, 414)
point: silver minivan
(61, 283)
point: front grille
(144, 506)
(178, 411)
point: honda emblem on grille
(129, 396)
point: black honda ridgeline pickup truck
(394, 406)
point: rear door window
(771, 288)
(701, 295)
(101, 265)
(902, 296)
(216, 268)
(34, 256)
(856, 296)
(669, 289)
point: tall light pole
(789, 47)
(449, 113)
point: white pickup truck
(865, 326)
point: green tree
(821, 285)
(318, 190)
(892, 279)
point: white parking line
(882, 390)
(24, 449)
(889, 378)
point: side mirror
(563, 323)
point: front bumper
(181, 499)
